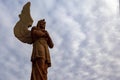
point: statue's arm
(50, 42)
(36, 32)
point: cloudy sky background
(86, 34)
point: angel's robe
(40, 57)
(41, 51)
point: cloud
(85, 34)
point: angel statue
(39, 38)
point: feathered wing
(21, 31)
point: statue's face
(41, 24)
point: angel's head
(41, 24)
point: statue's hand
(45, 32)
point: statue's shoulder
(34, 28)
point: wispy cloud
(85, 33)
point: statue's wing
(21, 28)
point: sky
(86, 35)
